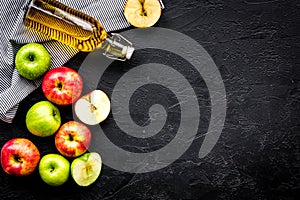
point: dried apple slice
(142, 13)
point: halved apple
(142, 13)
(86, 169)
(93, 107)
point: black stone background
(255, 44)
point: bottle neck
(117, 47)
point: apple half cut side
(142, 13)
(93, 107)
(86, 169)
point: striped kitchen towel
(13, 87)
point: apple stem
(59, 86)
(71, 137)
(17, 158)
(31, 57)
(52, 168)
(54, 113)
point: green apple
(54, 169)
(32, 60)
(43, 119)
(86, 169)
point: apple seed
(143, 12)
(88, 169)
(93, 108)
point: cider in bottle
(75, 29)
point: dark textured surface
(255, 44)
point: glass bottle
(75, 29)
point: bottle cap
(129, 52)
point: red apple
(19, 157)
(62, 85)
(73, 139)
